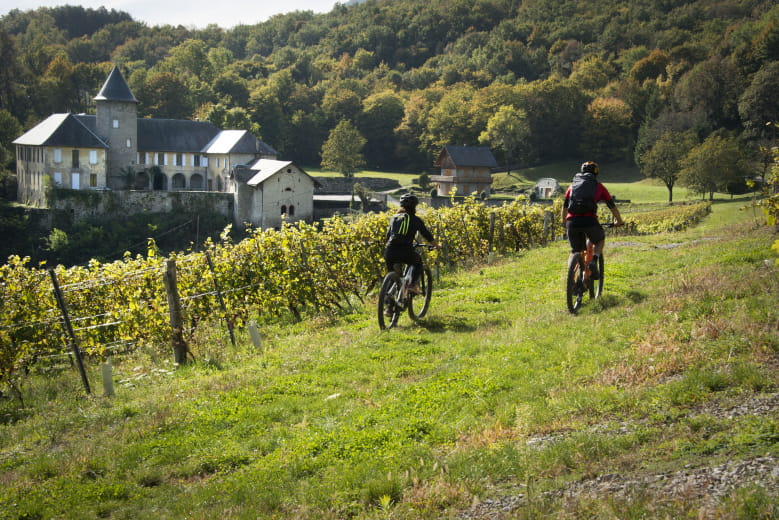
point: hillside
(604, 78)
(658, 400)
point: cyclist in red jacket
(580, 212)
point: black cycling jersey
(403, 229)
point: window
(75, 181)
(161, 159)
(93, 180)
(283, 210)
(217, 162)
(58, 155)
(179, 159)
(92, 156)
(195, 160)
(75, 158)
(291, 210)
(129, 143)
(142, 158)
(58, 178)
(116, 123)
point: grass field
(624, 182)
(498, 390)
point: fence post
(548, 225)
(492, 230)
(254, 334)
(221, 299)
(180, 348)
(69, 330)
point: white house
(268, 191)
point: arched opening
(179, 182)
(160, 182)
(291, 210)
(196, 182)
(142, 181)
(283, 210)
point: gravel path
(704, 485)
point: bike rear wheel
(419, 304)
(596, 288)
(389, 312)
(574, 286)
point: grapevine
(301, 268)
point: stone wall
(90, 204)
(332, 185)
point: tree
(342, 151)
(10, 129)
(450, 121)
(165, 95)
(759, 104)
(508, 130)
(713, 165)
(710, 91)
(381, 114)
(663, 160)
(607, 129)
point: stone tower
(117, 125)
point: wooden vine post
(69, 329)
(180, 347)
(492, 231)
(221, 299)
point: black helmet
(590, 167)
(409, 200)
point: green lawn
(498, 390)
(624, 182)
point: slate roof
(468, 156)
(174, 135)
(115, 88)
(238, 142)
(64, 130)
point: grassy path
(332, 418)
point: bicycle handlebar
(428, 246)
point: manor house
(116, 150)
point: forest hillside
(536, 80)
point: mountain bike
(395, 296)
(579, 280)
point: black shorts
(580, 229)
(404, 254)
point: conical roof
(115, 88)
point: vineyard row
(298, 269)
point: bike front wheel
(574, 287)
(419, 304)
(388, 310)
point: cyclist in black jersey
(401, 233)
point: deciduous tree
(508, 130)
(342, 152)
(663, 160)
(713, 165)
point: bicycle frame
(579, 278)
(395, 296)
